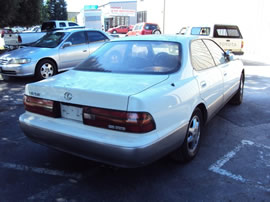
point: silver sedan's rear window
(143, 57)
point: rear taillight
(242, 44)
(42, 106)
(2, 34)
(19, 39)
(135, 122)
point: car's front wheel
(191, 144)
(45, 69)
(114, 32)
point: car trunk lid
(96, 89)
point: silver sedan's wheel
(45, 69)
(191, 144)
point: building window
(141, 16)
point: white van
(228, 37)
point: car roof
(169, 38)
(83, 29)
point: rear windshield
(48, 26)
(142, 57)
(227, 32)
(150, 27)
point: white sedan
(134, 100)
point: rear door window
(94, 36)
(200, 56)
(224, 31)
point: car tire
(114, 32)
(45, 68)
(156, 31)
(237, 99)
(191, 144)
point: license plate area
(71, 112)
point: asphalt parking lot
(233, 163)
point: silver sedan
(55, 52)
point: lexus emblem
(68, 96)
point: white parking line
(56, 189)
(217, 167)
(52, 191)
(39, 170)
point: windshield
(143, 57)
(50, 40)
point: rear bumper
(142, 151)
(238, 52)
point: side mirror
(66, 44)
(229, 56)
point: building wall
(129, 5)
(253, 17)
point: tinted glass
(50, 40)
(71, 24)
(226, 31)
(96, 36)
(47, 26)
(62, 24)
(216, 51)
(143, 57)
(77, 38)
(200, 31)
(150, 27)
(200, 56)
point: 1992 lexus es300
(134, 100)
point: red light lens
(19, 39)
(42, 106)
(135, 122)
(242, 44)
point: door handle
(84, 51)
(225, 73)
(203, 84)
(228, 40)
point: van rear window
(227, 32)
(48, 26)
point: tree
(28, 13)
(57, 9)
(8, 10)
(20, 12)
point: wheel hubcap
(46, 70)
(193, 134)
